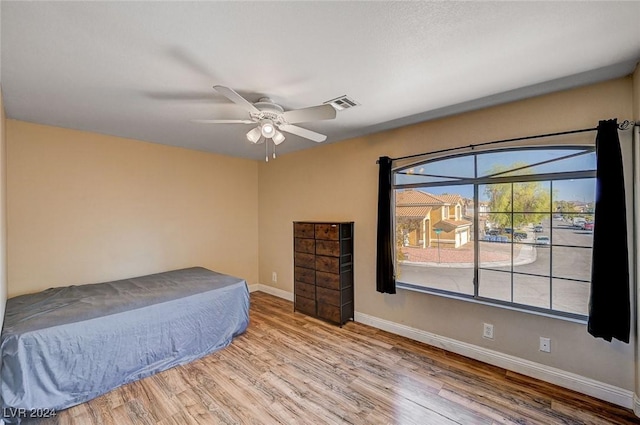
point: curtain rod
(621, 126)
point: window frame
(477, 182)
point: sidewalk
(492, 254)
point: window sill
(569, 318)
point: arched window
(512, 227)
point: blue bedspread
(64, 346)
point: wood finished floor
(291, 369)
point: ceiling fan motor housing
(268, 110)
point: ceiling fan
(272, 119)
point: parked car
(496, 238)
(519, 236)
(542, 240)
(579, 221)
(538, 228)
(588, 226)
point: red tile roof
(412, 211)
(451, 199)
(449, 225)
(416, 197)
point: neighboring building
(483, 212)
(583, 207)
(483, 209)
(424, 219)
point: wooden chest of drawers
(323, 270)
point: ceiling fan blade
(224, 121)
(303, 132)
(236, 98)
(313, 113)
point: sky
(451, 169)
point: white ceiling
(143, 70)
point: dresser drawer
(305, 305)
(329, 248)
(304, 260)
(304, 275)
(327, 264)
(327, 231)
(305, 290)
(328, 280)
(304, 245)
(327, 296)
(303, 230)
(329, 312)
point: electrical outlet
(274, 277)
(545, 345)
(488, 331)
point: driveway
(567, 260)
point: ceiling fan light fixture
(278, 138)
(268, 129)
(254, 135)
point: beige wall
(84, 208)
(339, 182)
(3, 212)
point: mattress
(67, 345)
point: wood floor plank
(101, 412)
(571, 399)
(247, 388)
(180, 418)
(193, 409)
(580, 416)
(329, 385)
(120, 415)
(397, 409)
(272, 395)
(480, 406)
(289, 368)
(138, 413)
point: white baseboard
(572, 381)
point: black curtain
(385, 274)
(609, 303)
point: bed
(64, 346)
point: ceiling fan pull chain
(266, 150)
(274, 151)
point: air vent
(342, 102)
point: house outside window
(511, 227)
